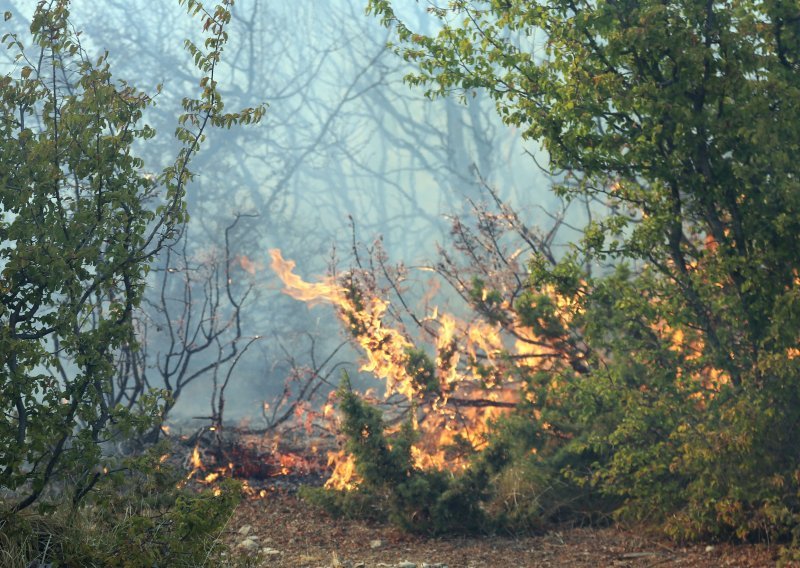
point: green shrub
(356, 504)
(80, 222)
(675, 123)
(138, 517)
(505, 487)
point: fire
(472, 384)
(195, 462)
(385, 348)
(484, 338)
(290, 462)
(249, 458)
(691, 347)
(198, 467)
(447, 355)
(466, 378)
(344, 476)
(475, 362)
(300, 290)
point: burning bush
(655, 360)
(419, 500)
(464, 432)
(563, 395)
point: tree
(681, 118)
(679, 115)
(344, 138)
(81, 220)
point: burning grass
(262, 462)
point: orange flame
(300, 290)
(386, 353)
(474, 363)
(344, 476)
(385, 348)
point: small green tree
(80, 220)
(431, 502)
(680, 117)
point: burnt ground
(281, 530)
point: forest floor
(281, 530)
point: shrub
(80, 221)
(137, 517)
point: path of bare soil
(281, 530)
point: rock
(406, 564)
(709, 548)
(250, 544)
(270, 551)
(377, 543)
(436, 565)
(245, 530)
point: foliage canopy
(680, 384)
(80, 220)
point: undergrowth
(141, 516)
(504, 489)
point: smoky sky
(347, 152)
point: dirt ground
(281, 530)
